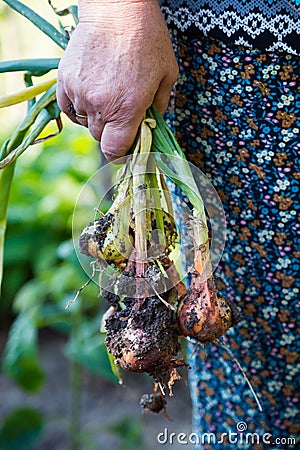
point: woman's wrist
(95, 10)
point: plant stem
(43, 118)
(34, 66)
(140, 212)
(38, 21)
(26, 94)
(5, 183)
(155, 192)
(6, 177)
(165, 144)
(139, 170)
(18, 135)
(75, 422)
(76, 383)
(181, 174)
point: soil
(103, 404)
(143, 336)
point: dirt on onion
(204, 314)
(142, 334)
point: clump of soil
(142, 334)
(94, 233)
(108, 238)
(153, 402)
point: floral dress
(236, 113)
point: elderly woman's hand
(119, 60)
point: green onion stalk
(203, 314)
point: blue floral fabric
(236, 114)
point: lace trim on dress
(266, 24)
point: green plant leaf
(42, 119)
(73, 10)
(36, 67)
(130, 432)
(114, 367)
(20, 360)
(164, 143)
(26, 94)
(6, 177)
(20, 132)
(38, 21)
(31, 294)
(92, 354)
(20, 429)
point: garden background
(57, 390)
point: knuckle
(172, 76)
(113, 154)
(91, 97)
(110, 154)
(95, 131)
(132, 109)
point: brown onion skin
(155, 357)
(203, 314)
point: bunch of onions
(150, 307)
(137, 236)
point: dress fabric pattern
(271, 25)
(235, 113)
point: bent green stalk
(36, 67)
(43, 118)
(6, 176)
(164, 143)
(16, 140)
(26, 94)
(39, 22)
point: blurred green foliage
(20, 429)
(46, 184)
(131, 433)
(42, 272)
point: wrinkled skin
(119, 60)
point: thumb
(116, 139)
